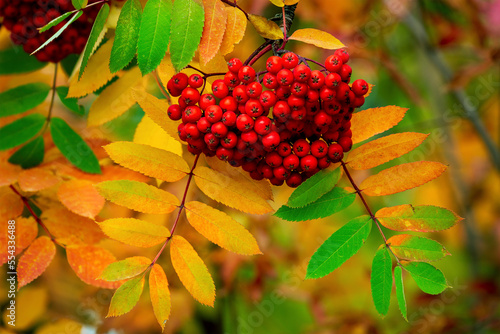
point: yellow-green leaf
(126, 297)
(150, 133)
(266, 28)
(213, 30)
(138, 196)
(192, 271)
(128, 268)
(220, 228)
(160, 294)
(235, 29)
(148, 160)
(226, 190)
(402, 177)
(369, 122)
(116, 99)
(317, 37)
(134, 232)
(379, 151)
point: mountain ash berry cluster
(284, 124)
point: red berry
(316, 80)
(174, 112)
(195, 80)
(191, 114)
(319, 149)
(274, 64)
(285, 77)
(191, 96)
(333, 63)
(262, 125)
(246, 74)
(309, 163)
(254, 108)
(230, 140)
(250, 137)
(244, 123)
(203, 125)
(254, 89)
(229, 118)
(180, 81)
(290, 60)
(271, 140)
(206, 100)
(228, 104)
(294, 180)
(332, 80)
(284, 149)
(224, 154)
(360, 87)
(335, 153)
(213, 113)
(299, 89)
(268, 99)
(342, 53)
(280, 173)
(281, 110)
(220, 89)
(291, 162)
(231, 79)
(322, 119)
(219, 130)
(345, 73)
(302, 73)
(192, 131)
(211, 140)
(270, 81)
(346, 143)
(301, 148)
(234, 65)
(240, 94)
(273, 159)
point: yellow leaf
(138, 196)
(369, 122)
(88, 262)
(261, 188)
(31, 306)
(148, 160)
(317, 37)
(156, 109)
(115, 99)
(126, 297)
(218, 64)
(165, 70)
(266, 28)
(80, 197)
(35, 260)
(192, 271)
(213, 29)
(221, 229)
(402, 177)
(36, 179)
(134, 232)
(160, 294)
(127, 268)
(384, 149)
(64, 224)
(279, 3)
(150, 133)
(235, 29)
(96, 74)
(60, 326)
(226, 190)
(290, 2)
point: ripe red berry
(234, 65)
(271, 140)
(290, 60)
(322, 119)
(301, 148)
(250, 137)
(284, 149)
(195, 80)
(244, 123)
(319, 149)
(294, 180)
(360, 87)
(228, 104)
(280, 173)
(345, 73)
(191, 114)
(254, 108)
(206, 100)
(231, 79)
(291, 162)
(346, 143)
(308, 163)
(180, 81)
(192, 131)
(335, 153)
(219, 130)
(254, 89)
(230, 140)
(246, 74)
(213, 113)
(299, 89)
(285, 77)
(211, 140)
(174, 112)
(229, 118)
(262, 125)
(191, 96)
(332, 80)
(333, 63)
(281, 110)
(220, 89)
(274, 64)
(268, 99)
(270, 81)
(342, 53)
(273, 159)
(203, 125)
(316, 80)
(301, 73)
(240, 94)
(224, 154)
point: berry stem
(51, 106)
(205, 75)
(372, 216)
(181, 207)
(257, 51)
(162, 88)
(314, 62)
(32, 212)
(233, 4)
(260, 54)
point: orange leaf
(221, 229)
(11, 204)
(151, 161)
(81, 197)
(35, 260)
(379, 151)
(128, 268)
(226, 190)
(8, 173)
(192, 271)
(235, 29)
(70, 228)
(108, 173)
(317, 37)
(25, 232)
(36, 179)
(126, 297)
(213, 30)
(135, 232)
(369, 122)
(266, 28)
(88, 262)
(402, 177)
(279, 3)
(160, 294)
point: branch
(372, 216)
(233, 4)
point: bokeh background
(440, 59)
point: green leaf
(20, 131)
(127, 34)
(30, 155)
(154, 34)
(413, 248)
(428, 278)
(331, 202)
(339, 247)
(73, 147)
(314, 187)
(188, 18)
(55, 22)
(126, 297)
(127, 268)
(70, 103)
(97, 28)
(381, 280)
(14, 61)
(422, 218)
(22, 98)
(79, 4)
(60, 31)
(400, 292)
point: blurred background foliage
(440, 59)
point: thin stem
(314, 62)
(37, 219)
(205, 75)
(260, 54)
(259, 49)
(181, 207)
(52, 98)
(162, 88)
(233, 4)
(372, 216)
